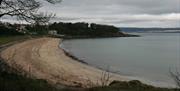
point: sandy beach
(43, 59)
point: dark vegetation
(37, 29)
(86, 30)
(10, 34)
(68, 30)
(10, 30)
(14, 82)
(134, 85)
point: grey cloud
(118, 6)
(171, 20)
(144, 6)
(118, 12)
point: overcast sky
(122, 13)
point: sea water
(150, 57)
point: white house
(52, 32)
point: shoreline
(70, 55)
(130, 78)
(45, 59)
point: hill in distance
(153, 30)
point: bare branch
(1, 1)
(25, 10)
(53, 1)
(176, 76)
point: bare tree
(25, 9)
(176, 77)
(105, 77)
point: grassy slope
(12, 82)
(7, 39)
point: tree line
(80, 29)
(86, 30)
(8, 29)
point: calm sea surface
(147, 58)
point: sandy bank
(43, 59)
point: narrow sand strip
(43, 59)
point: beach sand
(43, 59)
